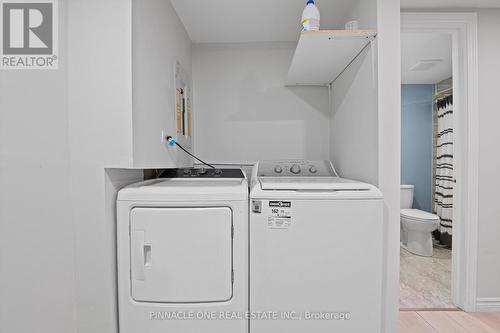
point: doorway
(427, 176)
(461, 29)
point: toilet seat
(418, 215)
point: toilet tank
(406, 196)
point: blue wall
(416, 142)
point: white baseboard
(487, 304)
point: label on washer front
(279, 215)
(257, 206)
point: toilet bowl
(416, 225)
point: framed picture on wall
(183, 106)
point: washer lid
(417, 214)
(310, 183)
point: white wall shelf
(321, 56)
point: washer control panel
(296, 168)
(202, 173)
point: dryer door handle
(137, 254)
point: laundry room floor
(425, 282)
(448, 321)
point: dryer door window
(181, 255)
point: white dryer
(182, 244)
(315, 250)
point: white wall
(353, 124)
(389, 122)
(159, 40)
(243, 111)
(59, 132)
(363, 11)
(365, 131)
(488, 279)
(37, 263)
(120, 77)
(100, 135)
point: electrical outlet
(163, 137)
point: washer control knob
(295, 169)
(313, 169)
(278, 169)
(202, 171)
(217, 171)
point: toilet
(416, 225)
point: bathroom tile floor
(425, 282)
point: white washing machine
(315, 250)
(183, 253)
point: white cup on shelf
(352, 25)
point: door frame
(463, 29)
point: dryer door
(181, 255)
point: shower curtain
(444, 179)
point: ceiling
(421, 47)
(407, 4)
(237, 21)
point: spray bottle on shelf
(310, 17)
